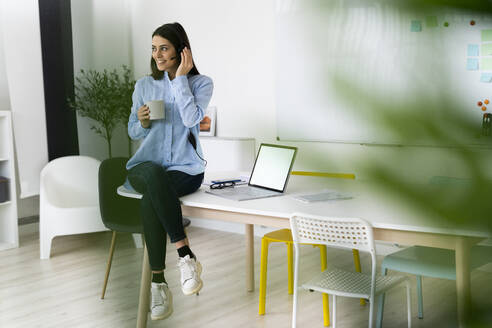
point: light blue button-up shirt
(165, 142)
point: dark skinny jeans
(160, 206)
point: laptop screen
(272, 167)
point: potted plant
(106, 98)
(125, 91)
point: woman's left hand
(186, 62)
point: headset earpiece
(179, 51)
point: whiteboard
(357, 71)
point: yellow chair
(285, 236)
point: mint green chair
(430, 261)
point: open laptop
(269, 176)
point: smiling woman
(169, 162)
(163, 53)
(170, 46)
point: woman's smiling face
(164, 54)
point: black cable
(192, 140)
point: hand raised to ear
(186, 62)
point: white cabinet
(9, 235)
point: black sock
(185, 250)
(158, 277)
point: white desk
(393, 220)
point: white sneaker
(162, 301)
(190, 275)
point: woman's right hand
(143, 115)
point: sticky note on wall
(487, 49)
(416, 26)
(486, 77)
(486, 64)
(472, 50)
(472, 64)
(431, 21)
(486, 35)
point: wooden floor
(65, 290)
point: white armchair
(69, 200)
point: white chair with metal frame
(350, 233)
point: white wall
(20, 56)
(233, 44)
(22, 51)
(4, 87)
(101, 40)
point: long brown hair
(176, 34)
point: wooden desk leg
(250, 257)
(143, 301)
(462, 257)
